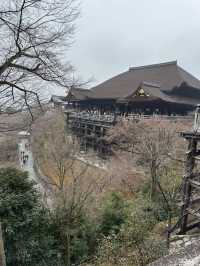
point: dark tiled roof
(154, 92)
(79, 94)
(166, 75)
(58, 99)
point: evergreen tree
(27, 230)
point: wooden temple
(161, 89)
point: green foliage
(84, 240)
(134, 244)
(170, 183)
(141, 221)
(26, 224)
(167, 193)
(79, 234)
(151, 208)
(114, 250)
(114, 214)
(120, 235)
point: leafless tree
(156, 148)
(169, 187)
(34, 37)
(151, 144)
(76, 185)
(8, 146)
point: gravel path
(27, 162)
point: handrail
(112, 117)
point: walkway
(27, 162)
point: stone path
(27, 161)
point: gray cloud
(113, 35)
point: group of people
(24, 154)
(24, 158)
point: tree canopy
(26, 224)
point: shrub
(26, 225)
(114, 214)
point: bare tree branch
(34, 38)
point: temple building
(161, 89)
(164, 88)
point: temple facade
(161, 89)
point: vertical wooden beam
(85, 137)
(94, 132)
(2, 252)
(187, 189)
(101, 142)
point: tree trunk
(68, 249)
(169, 227)
(153, 180)
(2, 253)
(66, 244)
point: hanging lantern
(196, 126)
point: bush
(26, 224)
(114, 214)
(121, 250)
(133, 243)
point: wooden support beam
(193, 225)
(89, 128)
(187, 189)
(195, 175)
(197, 158)
(192, 201)
(194, 183)
(197, 153)
(195, 213)
(190, 135)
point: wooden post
(85, 137)
(2, 253)
(187, 189)
(94, 132)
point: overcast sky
(113, 35)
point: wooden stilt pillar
(85, 138)
(187, 188)
(90, 129)
(94, 136)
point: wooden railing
(106, 118)
(111, 118)
(157, 117)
